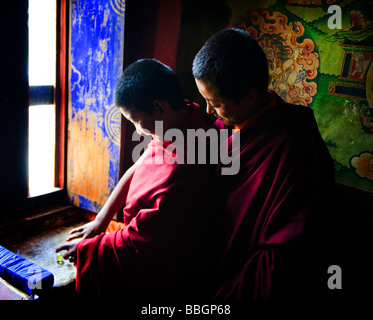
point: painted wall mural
(328, 70)
(292, 65)
(97, 39)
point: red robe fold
(271, 234)
(158, 253)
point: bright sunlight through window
(42, 72)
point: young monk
(159, 252)
(274, 209)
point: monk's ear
(160, 109)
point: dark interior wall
(152, 30)
(352, 240)
(14, 105)
(199, 20)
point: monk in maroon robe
(167, 203)
(272, 229)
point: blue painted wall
(96, 49)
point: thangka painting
(292, 59)
(94, 124)
(327, 69)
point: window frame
(61, 91)
(58, 95)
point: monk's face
(227, 110)
(143, 122)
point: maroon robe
(275, 207)
(158, 253)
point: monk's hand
(89, 230)
(70, 253)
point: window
(42, 109)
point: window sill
(55, 216)
(40, 193)
(39, 247)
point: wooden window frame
(61, 91)
(60, 97)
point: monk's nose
(209, 108)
